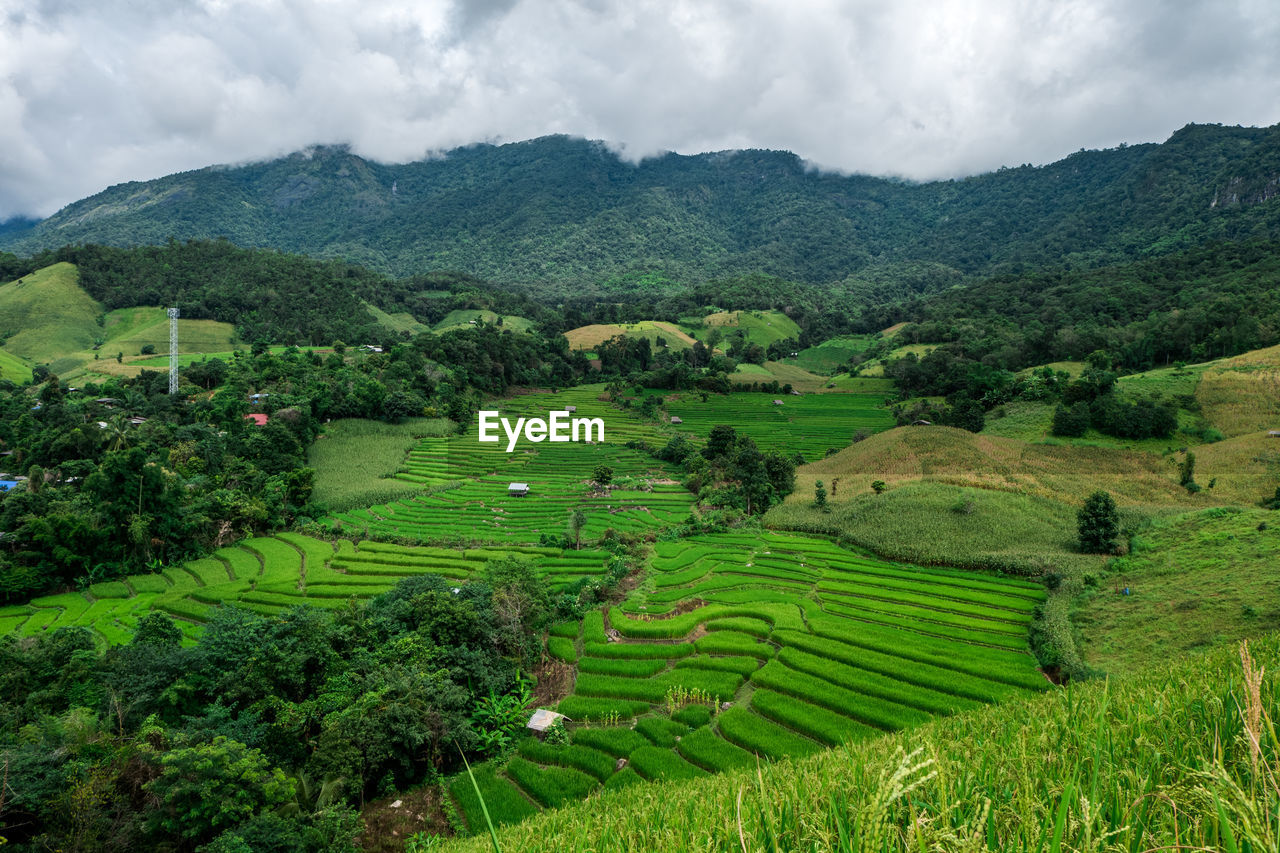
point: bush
(1098, 524)
(1071, 422)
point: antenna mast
(173, 352)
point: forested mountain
(566, 211)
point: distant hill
(47, 315)
(564, 210)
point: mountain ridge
(564, 209)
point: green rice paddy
(737, 647)
(810, 424)
(761, 645)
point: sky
(98, 92)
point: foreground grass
(355, 458)
(1195, 581)
(1167, 760)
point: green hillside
(128, 330)
(13, 368)
(758, 327)
(397, 323)
(563, 211)
(46, 315)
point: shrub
(1098, 523)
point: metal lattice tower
(173, 352)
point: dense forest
(1210, 301)
(270, 731)
(557, 213)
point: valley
(908, 539)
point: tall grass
(354, 459)
(1186, 757)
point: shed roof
(258, 419)
(518, 487)
(543, 719)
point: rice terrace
(527, 497)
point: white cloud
(94, 93)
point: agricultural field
(759, 327)
(461, 318)
(270, 574)
(781, 372)
(656, 332)
(829, 355)
(356, 460)
(810, 424)
(1054, 771)
(479, 507)
(1194, 581)
(810, 645)
(468, 480)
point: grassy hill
(13, 368)
(1194, 581)
(46, 316)
(590, 337)
(759, 327)
(461, 318)
(53, 321)
(396, 323)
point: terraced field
(810, 645)
(559, 478)
(738, 647)
(810, 424)
(472, 502)
(270, 574)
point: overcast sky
(96, 92)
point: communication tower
(173, 352)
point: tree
(206, 788)
(577, 521)
(1071, 422)
(719, 442)
(820, 495)
(1098, 523)
(1187, 473)
(603, 475)
(878, 486)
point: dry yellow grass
(799, 378)
(892, 330)
(956, 457)
(1241, 395)
(722, 318)
(590, 337)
